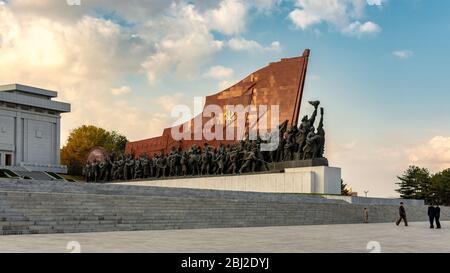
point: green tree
(81, 140)
(344, 189)
(440, 188)
(415, 183)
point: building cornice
(28, 89)
(57, 106)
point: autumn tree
(344, 189)
(81, 140)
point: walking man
(437, 215)
(431, 215)
(402, 213)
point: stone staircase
(43, 207)
(34, 175)
(40, 207)
(22, 173)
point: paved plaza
(327, 238)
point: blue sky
(378, 66)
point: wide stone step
(58, 207)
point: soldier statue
(194, 160)
(309, 146)
(161, 166)
(249, 161)
(315, 142)
(184, 161)
(305, 128)
(321, 137)
(95, 172)
(220, 161)
(145, 166)
(137, 169)
(206, 160)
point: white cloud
(303, 19)
(123, 90)
(434, 154)
(219, 72)
(228, 18)
(167, 102)
(384, 158)
(79, 59)
(359, 29)
(403, 54)
(375, 169)
(275, 47)
(224, 74)
(186, 44)
(131, 10)
(344, 15)
(241, 44)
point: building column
(58, 141)
(18, 149)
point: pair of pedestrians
(434, 213)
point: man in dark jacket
(431, 215)
(437, 215)
(402, 213)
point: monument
(288, 158)
(30, 124)
(280, 83)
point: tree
(344, 190)
(440, 188)
(415, 183)
(81, 140)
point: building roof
(32, 96)
(29, 90)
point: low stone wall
(320, 180)
(375, 201)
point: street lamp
(366, 192)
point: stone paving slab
(294, 239)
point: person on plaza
(366, 215)
(437, 215)
(431, 215)
(402, 213)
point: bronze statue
(305, 127)
(298, 143)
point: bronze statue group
(298, 143)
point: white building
(30, 128)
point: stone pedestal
(318, 180)
(324, 180)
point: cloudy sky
(380, 67)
